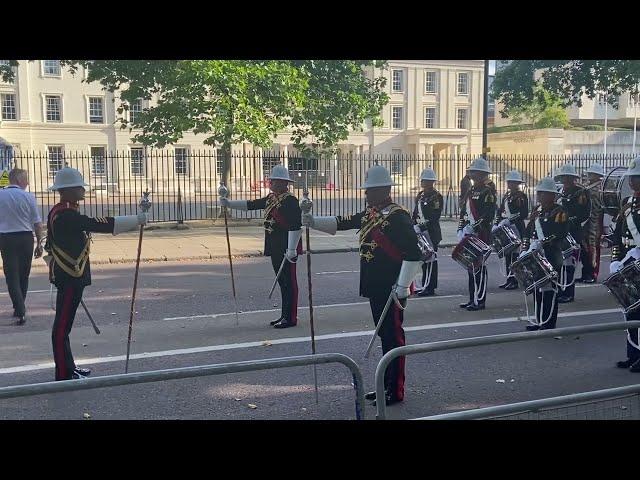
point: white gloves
(504, 222)
(224, 202)
(615, 266)
(291, 253)
(417, 229)
(323, 224)
(408, 271)
(235, 204)
(536, 245)
(468, 230)
(495, 228)
(635, 253)
(523, 253)
(142, 218)
(460, 235)
(126, 223)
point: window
(96, 112)
(430, 117)
(463, 84)
(396, 80)
(52, 104)
(396, 165)
(633, 99)
(181, 164)
(98, 161)
(56, 158)
(51, 68)
(134, 109)
(396, 117)
(8, 106)
(137, 161)
(429, 82)
(461, 117)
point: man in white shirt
(20, 218)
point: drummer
(577, 202)
(544, 232)
(513, 211)
(426, 216)
(625, 250)
(476, 216)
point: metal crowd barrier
(477, 341)
(192, 372)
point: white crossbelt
(472, 219)
(632, 227)
(539, 232)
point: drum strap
(632, 227)
(472, 218)
(419, 207)
(539, 232)
(507, 210)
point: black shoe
(548, 326)
(77, 376)
(589, 280)
(635, 368)
(504, 284)
(389, 400)
(579, 280)
(465, 305)
(284, 324)
(85, 372)
(565, 299)
(370, 396)
(533, 328)
(272, 323)
(625, 363)
(512, 286)
(475, 308)
(427, 293)
(21, 320)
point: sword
(273, 287)
(86, 310)
(392, 298)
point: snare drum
(569, 246)
(625, 286)
(505, 240)
(471, 253)
(426, 249)
(533, 270)
(615, 188)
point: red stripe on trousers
(397, 323)
(294, 300)
(62, 326)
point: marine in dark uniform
(68, 243)
(592, 230)
(389, 261)
(545, 231)
(626, 250)
(513, 211)
(577, 202)
(282, 238)
(476, 218)
(426, 216)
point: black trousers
(288, 282)
(546, 308)
(392, 335)
(508, 260)
(67, 303)
(480, 278)
(17, 252)
(632, 352)
(433, 280)
(570, 291)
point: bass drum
(615, 188)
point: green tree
(568, 80)
(544, 111)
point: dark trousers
(288, 282)
(392, 335)
(433, 280)
(570, 291)
(508, 260)
(480, 278)
(632, 352)
(17, 252)
(67, 303)
(546, 307)
(590, 258)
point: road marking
(30, 291)
(331, 305)
(341, 271)
(281, 341)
